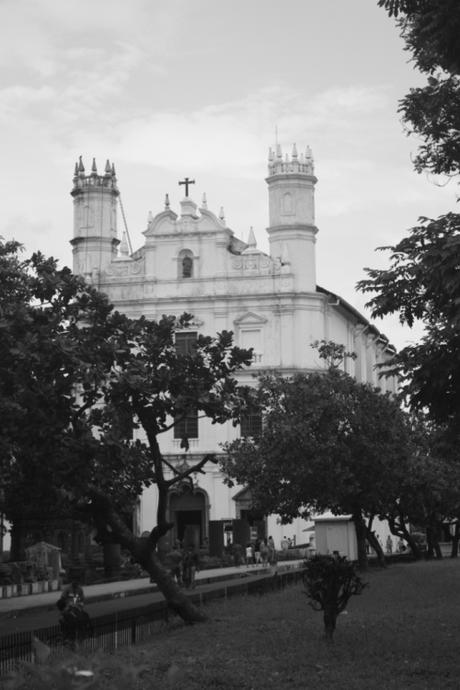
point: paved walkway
(39, 610)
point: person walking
(191, 563)
(264, 550)
(249, 554)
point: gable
(250, 319)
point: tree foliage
(329, 443)
(431, 32)
(423, 283)
(423, 280)
(85, 393)
(430, 493)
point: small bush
(330, 581)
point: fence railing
(130, 627)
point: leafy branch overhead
(422, 283)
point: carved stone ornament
(125, 268)
(256, 263)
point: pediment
(250, 318)
(243, 494)
(162, 222)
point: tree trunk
(148, 558)
(361, 529)
(112, 559)
(330, 621)
(400, 530)
(455, 540)
(143, 551)
(17, 550)
(433, 548)
(376, 545)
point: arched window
(185, 261)
(187, 267)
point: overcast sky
(173, 88)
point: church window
(187, 267)
(186, 342)
(185, 264)
(187, 427)
(251, 424)
(252, 337)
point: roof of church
(347, 307)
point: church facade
(191, 261)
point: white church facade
(193, 262)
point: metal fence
(130, 627)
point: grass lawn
(402, 632)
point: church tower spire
(95, 238)
(291, 189)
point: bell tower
(95, 238)
(292, 231)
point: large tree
(423, 280)
(328, 443)
(423, 283)
(86, 392)
(429, 490)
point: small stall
(336, 534)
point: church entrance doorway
(187, 510)
(245, 511)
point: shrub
(329, 582)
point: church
(191, 261)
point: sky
(199, 88)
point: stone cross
(186, 181)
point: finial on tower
(81, 167)
(252, 243)
(222, 214)
(124, 246)
(204, 201)
(293, 164)
(167, 202)
(94, 168)
(107, 170)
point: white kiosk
(336, 533)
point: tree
(329, 443)
(430, 495)
(330, 582)
(423, 281)
(83, 381)
(431, 32)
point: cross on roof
(186, 182)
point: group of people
(260, 551)
(287, 543)
(183, 564)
